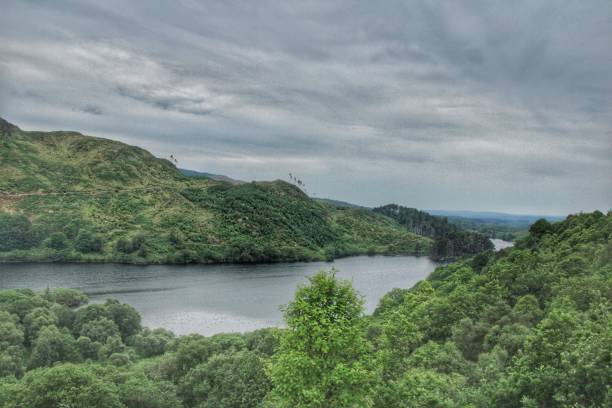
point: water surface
(209, 299)
(501, 244)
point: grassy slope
(141, 209)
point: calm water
(209, 299)
(501, 244)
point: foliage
(528, 326)
(322, 358)
(450, 241)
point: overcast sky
(471, 105)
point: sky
(455, 105)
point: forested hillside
(529, 326)
(450, 241)
(69, 197)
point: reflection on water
(209, 299)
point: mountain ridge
(66, 196)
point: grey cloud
(450, 104)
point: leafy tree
(322, 358)
(20, 301)
(67, 385)
(87, 314)
(87, 242)
(540, 228)
(36, 320)
(99, 330)
(125, 316)
(15, 232)
(423, 388)
(57, 241)
(87, 348)
(136, 390)
(53, 345)
(67, 297)
(10, 333)
(11, 361)
(149, 343)
(228, 380)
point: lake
(209, 299)
(501, 244)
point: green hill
(65, 196)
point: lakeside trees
(528, 326)
(450, 241)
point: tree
(138, 391)
(99, 330)
(67, 385)
(67, 297)
(227, 380)
(322, 356)
(422, 388)
(53, 345)
(125, 316)
(36, 320)
(10, 333)
(540, 228)
(57, 241)
(151, 343)
(15, 232)
(87, 242)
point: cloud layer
(458, 105)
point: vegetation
(69, 197)
(450, 241)
(508, 230)
(528, 326)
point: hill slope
(528, 326)
(67, 196)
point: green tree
(100, 329)
(87, 242)
(227, 380)
(15, 232)
(53, 345)
(136, 390)
(322, 358)
(36, 320)
(419, 388)
(57, 241)
(125, 316)
(67, 385)
(67, 297)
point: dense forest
(69, 197)
(528, 326)
(450, 241)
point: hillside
(70, 197)
(218, 177)
(529, 326)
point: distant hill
(508, 227)
(338, 203)
(218, 177)
(490, 215)
(65, 196)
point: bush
(87, 242)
